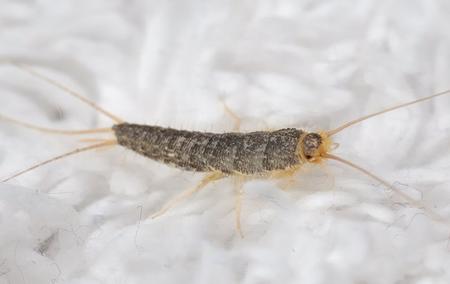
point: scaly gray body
(245, 153)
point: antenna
(353, 122)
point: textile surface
(275, 64)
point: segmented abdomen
(246, 153)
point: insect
(278, 153)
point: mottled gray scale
(224, 153)
(253, 146)
(275, 157)
(245, 153)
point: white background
(304, 64)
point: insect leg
(233, 115)
(288, 177)
(238, 183)
(185, 194)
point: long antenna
(405, 197)
(353, 122)
(67, 90)
(70, 153)
(51, 130)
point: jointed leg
(288, 177)
(235, 117)
(185, 194)
(238, 182)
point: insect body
(239, 155)
(253, 153)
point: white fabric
(304, 64)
